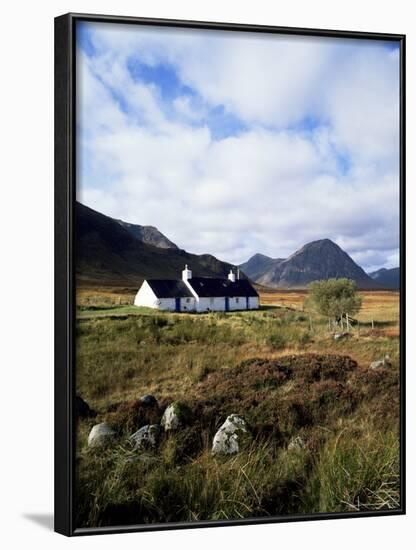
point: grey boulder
(231, 436)
(101, 435)
(385, 362)
(175, 416)
(148, 400)
(82, 409)
(147, 438)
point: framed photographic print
(229, 281)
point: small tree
(334, 298)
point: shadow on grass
(377, 324)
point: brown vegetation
(281, 370)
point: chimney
(231, 276)
(186, 274)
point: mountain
(317, 260)
(257, 265)
(388, 278)
(148, 234)
(108, 254)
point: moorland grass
(276, 367)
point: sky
(238, 143)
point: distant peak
(260, 255)
(324, 242)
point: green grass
(356, 474)
(260, 364)
(90, 312)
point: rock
(146, 438)
(175, 416)
(385, 362)
(101, 435)
(231, 436)
(340, 335)
(296, 444)
(82, 409)
(148, 400)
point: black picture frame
(65, 124)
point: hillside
(388, 278)
(148, 234)
(317, 260)
(108, 254)
(257, 265)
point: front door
(247, 304)
(177, 304)
(227, 303)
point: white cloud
(272, 187)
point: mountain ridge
(148, 234)
(257, 264)
(110, 252)
(320, 259)
(107, 254)
(389, 278)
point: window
(211, 301)
(236, 300)
(188, 300)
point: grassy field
(279, 368)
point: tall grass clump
(356, 472)
(120, 488)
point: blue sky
(235, 144)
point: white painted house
(198, 294)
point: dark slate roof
(213, 288)
(165, 288)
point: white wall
(188, 304)
(211, 304)
(218, 304)
(166, 304)
(27, 121)
(145, 296)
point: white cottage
(198, 294)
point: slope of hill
(148, 234)
(389, 278)
(257, 265)
(317, 260)
(107, 254)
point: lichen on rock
(175, 416)
(147, 438)
(231, 436)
